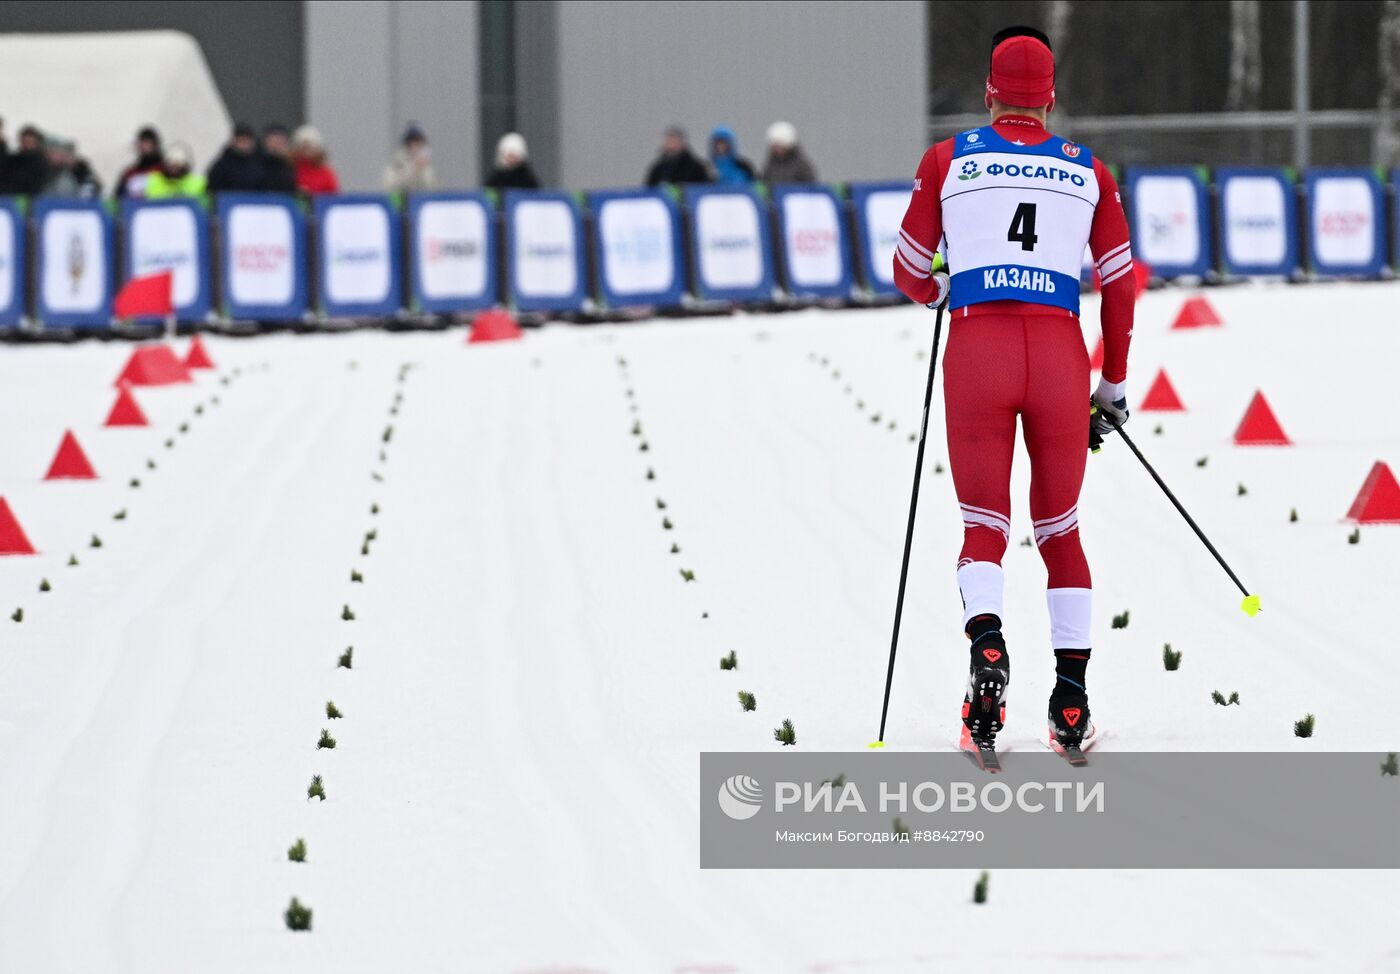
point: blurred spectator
(132, 180)
(68, 175)
(314, 174)
(279, 176)
(786, 162)
(411, 167)
(677, 164)
(728, 165)
(512, 165)
(26, 170)
(239, 167)
(176, 176)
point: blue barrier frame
(842, 287)
(295, 308)
(1395, 216)
(1205, 259)
(487, 298)
(669, 297)
(392, 302)
(1379, 258)
(12, 314)
(574, 300)
(860, 195)
(197, 310)
(101, 317)
(1291, 259)
(763, 290)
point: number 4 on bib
(1022, 229)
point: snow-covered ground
(514, 786)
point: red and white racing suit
(1012, 208)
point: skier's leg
(1056, 422)
(984, 380)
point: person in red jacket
(1011, 207)
(314, 173)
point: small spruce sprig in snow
(44, 585)
(666, 524)
(120, 515)
(660, 504)
(17, 615)
(298, 916)
(316, 789)
(1171, 659)
(1354, 537)
(1221, 700)
(675, 548)
(651, 474)
(388, 433)
(687, 574)
(747, 701)
(332, 711)
(979, 891)
(374, 508)
(1121, 621)
(1304, 727)
(355, 576)
(72, 561)
(730, 662)
(345, 613)
(786, 735)
(135, 483)
(1241, 490)
(1293, 515)
(297, 852)
(1203, 461)
(326, 739)
(96, 542)
(347, 658)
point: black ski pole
(1250, 605)
(909, 531)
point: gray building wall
(851, 76)
(374, 65)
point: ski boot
(984, 706)
(1071, 731)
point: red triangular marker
(154, 365)
(1196, 313)
(126, 411)
(70, 462)
(198, 356)
(1260, 427)
(1379, 499)
(12, 539)
(1096, 357)
(1162, 397)
(151, 296)
(494, 325)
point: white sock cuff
(1070, 615)
(981, 583)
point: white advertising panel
(545, 248)
(1168, 221)
(75, 262)
(166, 238)
(1344, 221)
(812, 238)
(450, 244)
(637, 249)
(884, 212)
(1255, 220)
(355, 244)
(729, 241)
(261, 250)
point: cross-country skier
(1012, 207)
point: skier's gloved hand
(1109, 400)
(939, 280)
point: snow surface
(515, 787)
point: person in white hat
(786, 162)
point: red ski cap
(1023, 73)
